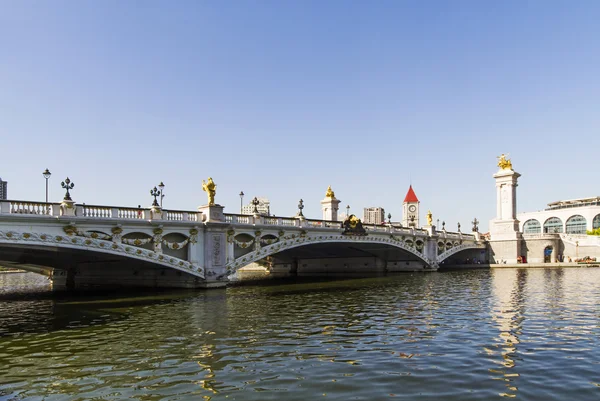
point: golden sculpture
(329, 193)
(504, 163)
(429, 218)
(211, 190)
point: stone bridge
(81, 246)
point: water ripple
(508, 333)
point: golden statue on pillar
(504, 163)
(329, 193)
(429, 218)
(211, 190)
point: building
(373, 215)
(263, 207)
(574, 216)
(3, 189)
(556, 234)
(410, 209)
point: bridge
(88, 246)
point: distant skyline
(282, 99)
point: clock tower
(410, 209)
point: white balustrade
(21, 207)
(173, 216)
(98, 212)
(192, 216)
(271, 221)
(131, 213)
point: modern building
(410, 209)
(574, 216)
(263, 207)
(373, 215)
(3, 189)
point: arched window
(576, 224)
(532, 226)
(553, 225)
(596, 222)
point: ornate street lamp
(241, 201)
(389, 218)
(162, 192)
(347, 210)
(475, 222)
(458, 227)
(154, 192)
(444, 225)
(67, 184)
(300, 207)
(46, 175)
(255, 202)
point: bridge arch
(101, 245)
(412, 247)
(458, 248)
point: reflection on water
(530, 334)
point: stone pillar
(67, 208)
(215, 255)
(506, 239)
(156, 213)
(212, 213)
(330, 208)
(430, 249)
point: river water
(465, 335)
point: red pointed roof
(410, 196)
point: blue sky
(283, 98)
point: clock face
(412, 208)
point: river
(530, 334)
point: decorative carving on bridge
(504, 163)
(136, 241)
(211, 190)
(193, 235)
(175, 245)
(353, 226)
(216, 250)
(107, 246)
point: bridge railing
(28, 207)
(95, 211)
(394, 229)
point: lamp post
(300, 207)
(347, 211)
(154, 192)
(46, 175)
(255, 202)
(475, 225)
(67, 184)
(241, 201)
(162, 192)
(389, 218)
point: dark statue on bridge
(353, 226)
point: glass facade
(596, 222)
(553, 225)
(576, 225)
(532, 227)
